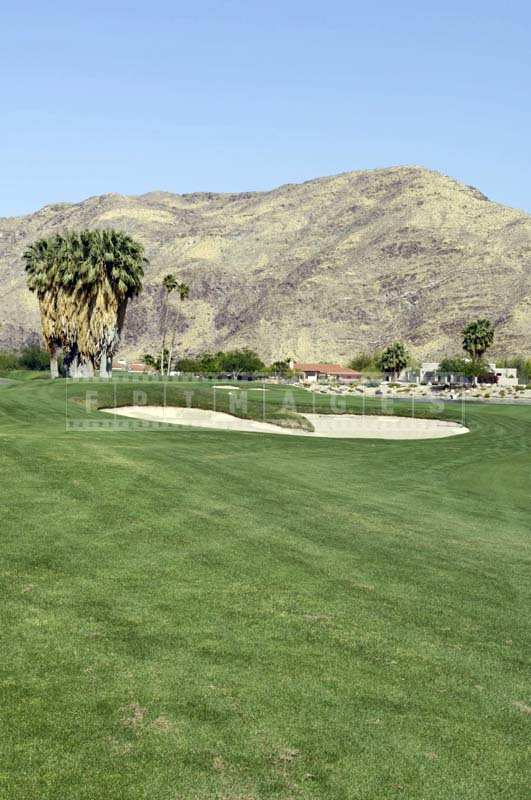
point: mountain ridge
(153, 193)
(317, 270)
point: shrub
(454, 365)
(235, 362)
(31, 357)
(238, 361)
(364, 361)
(8, 361)
(34, 357)
(281, 368)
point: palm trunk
(72, 361)
(72, 369)
(78, 367)
(85, 369)
(105, 365)
(164, 323)
(54, 365)
(170, 354)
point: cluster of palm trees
(83, 281)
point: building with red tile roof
(314, 372)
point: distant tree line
(232, 362)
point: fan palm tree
(394, 359)
(110, 271)
(38, 259)
(184, 291)
(43, 263)
(478, 336)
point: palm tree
(37, 258)
(43, 260)
(111, 268)
(394, 359)
(184, 291)
(169, 283)
(478, 336)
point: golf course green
(214, 615)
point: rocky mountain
(319, 270)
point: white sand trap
(333, 426)
(356, 426)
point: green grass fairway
(203, 615)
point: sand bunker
(356, 426)
(333, 426)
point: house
(138, 366)
(332, 372)
(429, 373)
(428, 368)
(507, 376)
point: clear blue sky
(239, 95)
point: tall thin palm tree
(184, 291)
(169, 284)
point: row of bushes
(31, 357)
(235, 362)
